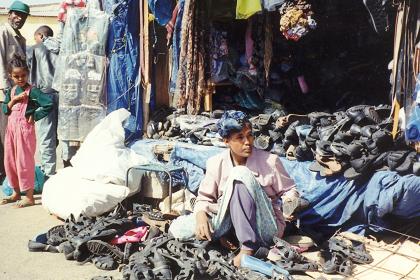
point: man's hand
(203, 228)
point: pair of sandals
(290, 259)
(19, 203)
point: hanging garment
(191, 83)
(176, 47)
(162, 10)
(247, 8)
(123, 51)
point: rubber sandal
(105, 262)
(279, 150)
(315, 167)
(7, 200)
(395, 158)
(329, 162)
(407, 165)
(303, 153)
(56, 235)
(262, 142)
(162, 269)
(292, 266)
(360, 166)
(41, 247)
(24, 203)
(155, 216)
(285, 250)
(340, 150)
(101, 248)
(290, 133)
(368, 130)
(315, 117)
(323, 149)
(356, 149)
(276, 136)
(102, 278)
(357, 254)
(294, 205)
(290, 153)
(67, 249)
(343, 137)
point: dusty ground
(17, 263)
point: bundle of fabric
(296, 19)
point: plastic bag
(39, 183)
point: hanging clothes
(80, 73)
(161, 10)
(192, 78)
(247, 8)
(123, 51)
(176, 47)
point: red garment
(133, 235)
(62, 12)
(20, 146)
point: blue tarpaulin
(335, 202)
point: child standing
(24, 105)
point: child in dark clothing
(24, 105)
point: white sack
(102, 156)
(66, 193)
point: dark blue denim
(176, 42)
(123, 87)
(162, 10)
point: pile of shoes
(164, 257)
(267, 135)
(167, 124)
(356, 142)
(343, 254)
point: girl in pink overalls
(24, 105)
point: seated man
(240, 192)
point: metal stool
(157, 167)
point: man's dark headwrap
(232, 121)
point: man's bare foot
(237, 259)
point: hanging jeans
(162, 10)
(123, 88)
(176, 48)
(46, 132)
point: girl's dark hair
(17, 62)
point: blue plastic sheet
(335, 202)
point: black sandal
(101, 248)
(105, 262)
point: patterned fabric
(231, 121)
(193, 70)
(296, 20)
(184, 227)
(258, 36)
(268, 47)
